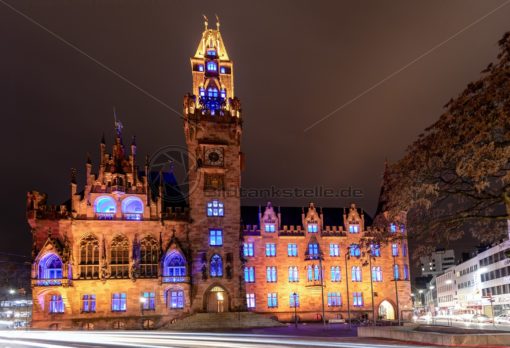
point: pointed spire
(217, 22)
(206, 22)
(89, 161)
(133, 140)
(103, 141)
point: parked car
(481, 318)
(502, 319)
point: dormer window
(393, 228)
(105, 208)
(132, 208)
(200, 67)
(212, 66)
(270, 228)
(313, 228)
(202, 92)
(353, 228)
(223, 70)
(211, 52)
(223, 94)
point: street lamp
(12, 291)
(143, 301)
(347, 285)
(295, 309)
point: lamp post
(347, 284)
(295, 309)
(322, 289)
(396, 289)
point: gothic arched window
(132, 208)
(105, 207)
(89, 258)
(149, 256)
(119, 257)
(174, 267)
(216, 267)
(50, 269)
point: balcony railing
(105, 216)
(135, 217)
(175, 279)
(50, 282)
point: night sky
(295, 62)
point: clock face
(214, 156)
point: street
(153, 339)
(465, 324)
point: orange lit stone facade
(334, 244)
(119, 254)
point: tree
(456, 175)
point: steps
(226, 320)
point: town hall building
(121, 253)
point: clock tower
(213, 127)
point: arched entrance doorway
(386, 311)
(217, 300)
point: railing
(50, 282)
(175, 279)
(132, 216)
(105, 216)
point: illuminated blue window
(313, 273)
(174, 267)
(357, 299)
(175, 299)
(211, 53)
(223, 70)
(200, 67)
(215, 208)
(313, 250)
(202, 91)
(248, 249)
(105, 207)
(376, 274)
(404, 249)
(215, 237)
(270, 249)
(375, 250)
(149, 302)
(272, 300)
(50, 269)
(250, 300)
(406, 272)
(334, 250)
(393, 228)
(354, 250)
(223, 94)
(249, 274)
(132, 208)
(216, 266)
(334, 299)
(336, 275)
(313, 228)
(395, 272)
(353, 228)
(119, 302)
(88, 303)
(212, 66)
(212, 92)
(270, 228)
(394, 249)
(356, 274)
(271, 274)
(293, 274)
(292, 250)
(294, 300)
(56, 304)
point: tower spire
(217, 22)
(206, 22)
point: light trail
(154, 339)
